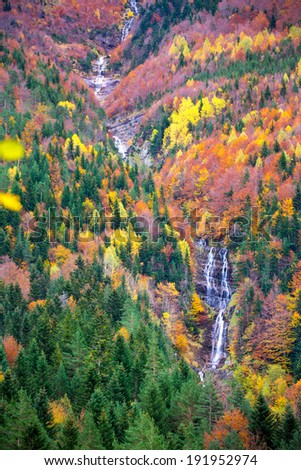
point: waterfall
(101, 65)
(129, 22)
(210, 281)
(120, 146)
(217, 295)
(104, 83)
(220, 327)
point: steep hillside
(221, 97)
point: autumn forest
(150, 224)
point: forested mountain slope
(221, 99)
(102, 326)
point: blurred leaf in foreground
(11, 150)
(10, 201)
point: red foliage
(12, 274)
(12, 349)
(233, 420)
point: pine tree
(70, 151)
(262, 423)
(17, 255)
(237, 398)
(190, 437)
(289, 425)
(61, 382)
(122, 353)
(116, 220)
(99, 407)
(120, 420)
(34, 437)
(97, 403)
(69, 435)
(153, 403)
(66, 197)
(78, 391)
(233, 441)
(89, 438)
(295, 88)
(3, 360)
(22, 428)
(4, 243)
(283, 90)
(297, 198)
(143, 435)
(265, 150)
(277, 147)
(114, 306)
(267, 93)
(44, 412)
(273, 22)
(105, 429)
(210, 407)
(9, 386)
(43, 375)
(23, 370)
(155, 207)
(282, 163)
(295, 442)
(7, 5)
(39, 281)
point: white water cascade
(220, 329)
(218, 295)
(101, 66)
(210, 281)
(133, 8)
(120, 146)
(104, 85)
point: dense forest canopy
(103, 323)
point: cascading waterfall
(104, 85)
(120, 146)
(129, 22)
(218, 295)
(210, 281)
(220, 327)
(101, 64)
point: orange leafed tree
(233, 420)
(11, 348)
(273, 337)
(181, 341)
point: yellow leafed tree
(197, 307)
(10, 150)
(67, 105)
(179, 46)
(177, 134)
(288, 208)
(111, 261)
(218, 104)
(203, 178)
(76, 143)
(207, 108)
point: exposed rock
(108, 41)
(124, 129)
